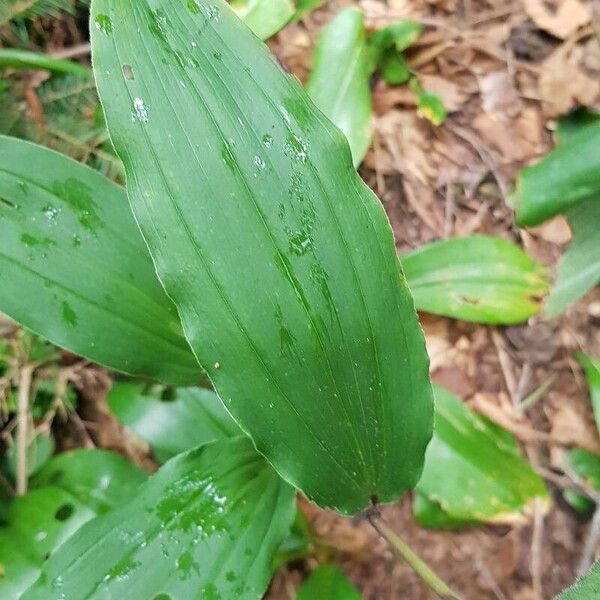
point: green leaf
(587, 466)
(339, 81)
(591, 368)
(39, 451)
(477, 278)
(70, 490)
(305, 6)
(195, 416)
(585, 588)
(264, 17)
(279, 258)
(38, 524)
(23, 59)
(394, 68)
(568, 175)
(473, 470)
(400, 35)
(574, 122)
(99, 479)
(327, 582)
(76, 271)
(207, 525)
(579, 268)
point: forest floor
(505, 69)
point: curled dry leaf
(560, 20)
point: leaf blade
(476, 278)
(284, 323)
(209, 522)
(68, 240)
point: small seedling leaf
(477, 278)
(327, 582)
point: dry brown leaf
(516, 139)
(562, 20)
(556, 231)
(563, 84)
(450, 93)
(498, 93)
(570, 426)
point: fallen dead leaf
(562, 20)
(451, 94)
(556, 231)
(564, 84)
(498, 93)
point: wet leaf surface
(316, 351)
(206, 525)
(76, 271)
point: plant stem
(22, 422)
(24, 59)
(423, 570)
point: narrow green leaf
(586, 588)
(473, 470)
(476, 278)
(76, 271)
(280, 259)
(591, 368)
(207, 525)
(327, 582)
(38, 524)
(568, 175)
(264, 17)
(99, 479)
(194, 416)
(339, 81)
(587, 466)
(579, 268)
(23, 59)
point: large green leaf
(339, 81)
(569, 174)
(477, 278)
(586, 588)
(473, 470)
(327, 582)
(69, 491)
(75, 268)
(192, 417)
(279, 258)
(579, 268)
(207, 525)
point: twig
(22, 423)
(505, 366)
(536, 549)
(425, 572)
(73, 51)
(591, 543)
(530, 400)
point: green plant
(315, 352)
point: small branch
(22, 424)
(536, 549)
(423, 570)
